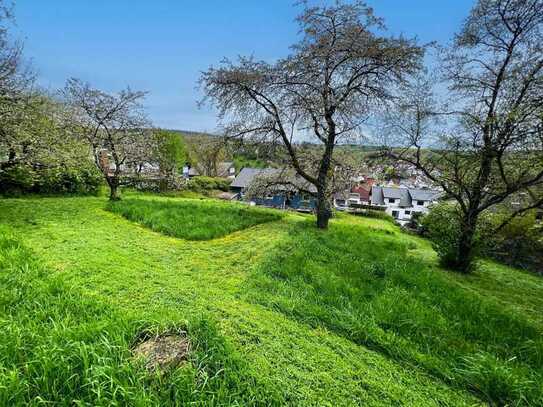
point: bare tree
(114, 125)
(488, 145)
(206, 153)
(324, 90)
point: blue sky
(161, 46)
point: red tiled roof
(363, 190)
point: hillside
(276, 311)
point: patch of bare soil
(163, 352)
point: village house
(358, 195)
(402, 203)
(288, 190)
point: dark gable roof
(391, 192)
(424, 194)
(247, 175)
(377, 195)
(405, 195)
(398, 193)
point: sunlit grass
(356, 315)
(365, 285)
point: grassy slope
(293, 328)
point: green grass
(59, 345)
(279, 312)
(192, 220)
(379, 296)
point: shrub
(58, 180)
(519, 243)
(16, 180)
(372, 213)
(202, 183)
(442, 226)
(50, 180)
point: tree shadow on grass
(363, 285)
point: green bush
(372, 213)
(60, 180)
(442, 226)
(519, 243)
(16, 180)
(51, 180)
(202, 183)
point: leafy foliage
(518, 243)
(442, 226)
(21, 179)
(171, 152)
(203, 183)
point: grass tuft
(192, 219)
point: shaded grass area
(192, 219)
(350, 316)
(58, 345)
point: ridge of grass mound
(192, 219)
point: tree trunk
(324, 212)
(465, 249)
(113, 183)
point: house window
(391, 200)
(395, 214)
(269, 198)
(408, 212)
(420, 203)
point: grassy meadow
(277, 312)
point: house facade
(402, 203)
(358, 195)
(288, 191)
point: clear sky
(161, 46)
